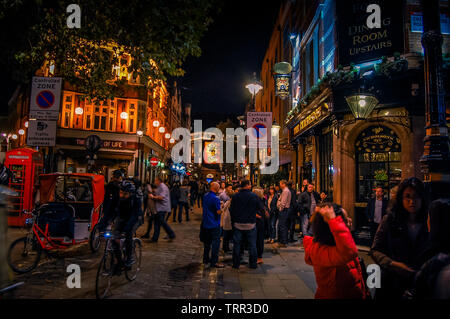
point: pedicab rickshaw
(67, 214)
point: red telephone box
(26, 164)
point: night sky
(232, 50)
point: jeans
(283, 226)
(291, 224)
(260, 236)
(181, 205)
(238, 236)
(193, 198)
(199, 200)
(305, 223)
(272, 225)
(160, 221)
(151, 219)
(211, 245)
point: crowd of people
(411, 239)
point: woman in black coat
(401, 241)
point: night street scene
(221, 158)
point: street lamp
(155, 123)
(79, 111)
(253, 88)
(26, 124)
(275, 128)
(21, 132)
(139, 133)
(172, 140)
(167, 136)
(124, 115)
(162, 129)
(361, 105)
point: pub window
(67, 110)
(378, 161)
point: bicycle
(108, 264)
(25, 253)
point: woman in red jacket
(334, 256)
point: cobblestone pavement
(175, 270)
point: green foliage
(166, 32)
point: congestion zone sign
(45, 99)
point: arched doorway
(378, 161)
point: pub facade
(357, 118)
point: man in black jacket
(307, 202)
(375, 210)
(111, 200)
(243, 209)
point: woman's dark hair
(320, 228)
(400, 213)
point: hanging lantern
(361, 105)
(79, 111)
(124, 115)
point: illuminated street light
(139, 133)
(361, 105)
(26, 124)
(172, 140)
(162, 129)
(155, 123)
(275, 128)
(14, 136)
(21, 132)
(167, 135)
(254, 87)
(79, 111)
(124, 115)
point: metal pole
(435, 156)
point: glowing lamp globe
(79, 111)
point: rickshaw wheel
(136, 266)
(24, 255)
(94, 239)
(104, 274)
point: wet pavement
(175, 270)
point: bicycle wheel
(104, 274)
(136, 266)
(24, 254)
(94, 239)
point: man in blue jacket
(243, 209)
(210, 228)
